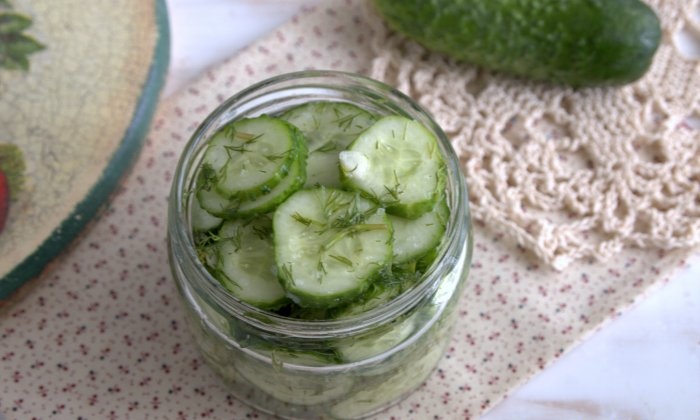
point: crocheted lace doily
(570, 173)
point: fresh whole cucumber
(573, 42)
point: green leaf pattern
(15, 46)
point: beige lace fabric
(570, 174)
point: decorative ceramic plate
(79, 82)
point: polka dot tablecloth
(101, 335)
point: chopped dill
(302, 219)
(247, 137)
(344, 123)
(262, 231)
(342, 260)
(237, 239)
(327, 147)
(278, 156)
(334, 202)
(231, 149)
(352, 230)
(206, 239)
(317, 123)
(207, 177)
(228, 131)
(396, 190)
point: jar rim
(457, 232)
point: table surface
(643, 365)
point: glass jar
(280, 365)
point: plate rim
(121, 161)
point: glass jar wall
(341, 368)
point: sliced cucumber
(397, 162)
(215, 203)
(281, 356)
(246, 262)
(329, 245)
(393, 385)
(302, 388)
(391, 283)
(202, 220)
(377, 343)
(251, 156)
(208, 198)
(388, 284)
(414, 238)
(322, 169)
(268, 202)
(329, 127)
(377, 296)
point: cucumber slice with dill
(247, 158)
(246, 262)
(329, 245)
(202, 220)
(391, 282)
(398, 163)
(218, 205)
(361, 348)
(268, 202)
(329, 128)
(414, 238)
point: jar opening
(272, 96)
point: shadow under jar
(341, 368)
